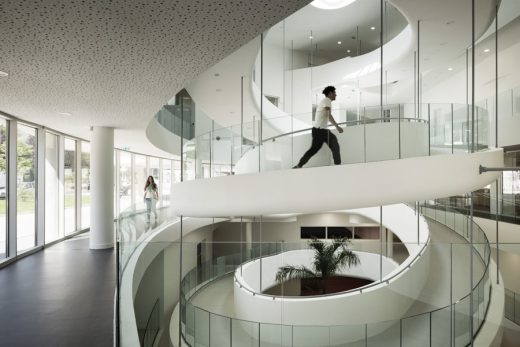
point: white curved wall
(395, 297)
(376, 304)
(338, 187)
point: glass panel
(462, 322)
(348, 336)
(125, 180)
(53, 231)
(383, 334)
(3, 188)
(415, 331)
(85, 184)
(26, 187)
(69, 163)
(139, 177)
(309, 336)
(190, 324)
(440, 327)
(220, 332)
(275, 335)
(245, 333)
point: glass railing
(370, 134)
(512, 306)
(485, 205)
(134, 224)
(457, 309)
(152, 326)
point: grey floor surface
(61, 296)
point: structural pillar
(102, 188)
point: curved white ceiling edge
(336, 187)
(162, 138)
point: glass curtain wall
(70, 185)
(26, 171)
(85, 184)
(125, 180)
(155, 170)
(139, 177)
(53, 187)
(3, 187)
(166, 182)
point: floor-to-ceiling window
(85, 185)
(3, 188)
(125, 180)
(139, 177)
(154, 170)
(26, 166)
(52, 188)
(69, 169)
(166, 181)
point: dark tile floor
(61, 296)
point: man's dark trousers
(319, 137)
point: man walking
(320, 133)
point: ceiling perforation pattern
(115, 63)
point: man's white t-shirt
(322, 115)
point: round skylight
(331, 4)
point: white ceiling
(115, 63)
(350, 25)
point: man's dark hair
(328, 89)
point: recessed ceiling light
(372, 28)
(450, 69)
(3, 74)
(348, 51)
(331, 4)
(487, 50)
(339, 42)
(65, 113)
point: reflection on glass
(125, 180)
(3, 187)
(69, 167)
(26, 187)
(85, 185)
(52, 188)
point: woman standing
(151, 195)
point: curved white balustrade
(338, 187)
(394, 291)
(248, 275)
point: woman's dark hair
(154, 186)
(328, 89)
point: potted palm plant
(328, 260)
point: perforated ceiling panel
(116, 62)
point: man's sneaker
(297, 167)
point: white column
(102, 188)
